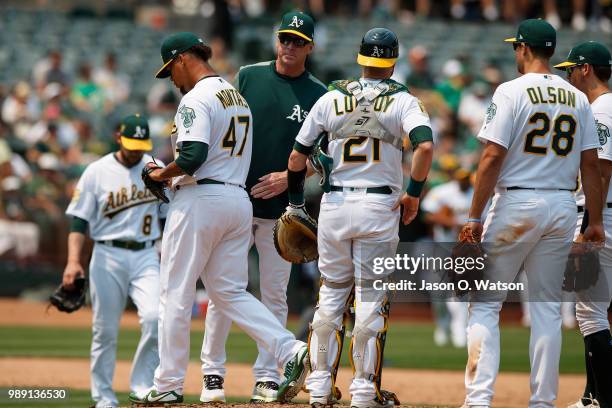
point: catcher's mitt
(70, 300)
(468, 247)
(295, 236)
(155, 187)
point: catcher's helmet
(379, 48)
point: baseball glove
(155, 187)
(468, 247)
(70, 300)
(295, 236)
(581, 271)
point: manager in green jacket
(280, 93)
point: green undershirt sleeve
(420, 134)
(191, 156)
(78, 225)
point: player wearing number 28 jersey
(539, 132)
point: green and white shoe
(156, 398)
(296, 371)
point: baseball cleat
(212, 389)
(296, 371)
(156, 398)
(585, 402)
(264, 391)
(388, 400)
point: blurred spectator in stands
(116, 85)
(473, 106)
(48, 70)
(420, 77)
(452, 87)
(221, 60)
(468, 9)
(21, 105)
(579, 22)
(86, 95)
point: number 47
(229, 140)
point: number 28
(564, 128)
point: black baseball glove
(70, 300)
(581, 271)
(155, 187)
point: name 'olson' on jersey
(231, 97)
(552, 95)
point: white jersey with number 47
(213, 112)
(545, 123)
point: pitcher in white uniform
(363, 123)
(588, 69)
(112, 205)
(539, 131)
(208, 229)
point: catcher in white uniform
(112, 205)
(364, 122)
(539, 131)
(588, 69)
(209, 221)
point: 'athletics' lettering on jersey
(120, 200)
(552, 95)
(231, 97)
(381, 104)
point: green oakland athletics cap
(590, 52)
(297, 23)
(134, 133)
(535, 32)
(172, 46)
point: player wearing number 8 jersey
(122, 216)
(539, 131)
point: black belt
(209, 181)
(534, 188)
(131, 245)
(369, 190)
(581, 208)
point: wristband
(478, 220)
(295, 186)
(415, 187)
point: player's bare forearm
(73, 268)
(605, 167)
(76, 241)
(591, 182)
(297, 161)
(166, 173)
(490, 165)
(421, 161)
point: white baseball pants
(274, 274)
(207, 236)
(534, 228)
(115, 274)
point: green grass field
(409, 345)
